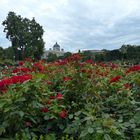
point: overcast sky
(79, 24)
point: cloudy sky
(79, 24)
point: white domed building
(55, 50)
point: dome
(56, 47)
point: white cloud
(78, 24)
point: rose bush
(83, 100)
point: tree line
(126, 53)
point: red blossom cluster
(27, 59)
(58, 96)
(38, 66)
(133, 68)
(73, 57)
(66, 79)
(19, 69)
(61, 62)
(102, 65)
(114, 79)
(89, 61)
(14, 79)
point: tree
(1, 53)
(51, 57)
(25, 36)
(8, 52)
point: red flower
(25, 70)
(61, 62)
(74, 57)
(27, 59)
(3, 90)
(20, 63)
(52, 97)
(15, 79)
(113, 66)
(83, 70)
(20, 78)
(102, 74)
(38, 66)
(49, 83)
(102, 65)
(126, 85)
(44, 109)
(49, 102)
(6, 82)
(62, 114)
(133, 68)
(58, 96)
(115, 79)
(89, 71)
(66, 79)
(89, 61)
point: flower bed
(83, 100)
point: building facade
(55, 50)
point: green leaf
(83, 133)
(107, 137)
(21, 113)
(22, 99)
(90, 130)
(46, 117)
(137, 118)
(70, 116)
(32, 119)
(2, 130)
(61, 126)
(78, 113)
(2, 104)
(6, 109)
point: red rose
(49, 83)
(44, 109)
(20, 63)
(49, 102)
(115, 79)
(58, 96)
(3, 90)
(66, 79)
(83, 70)
(62, 114)
(126, 85)
(52, 97)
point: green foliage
(51, 57)
(25, 36)
(71, 100)
(126, 53)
